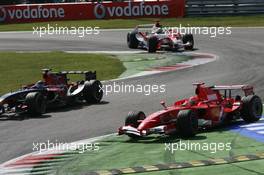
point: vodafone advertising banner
(114, 10)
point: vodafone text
(31, 12)
(101, 11)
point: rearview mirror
(163, 104)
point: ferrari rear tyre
(252, 108)
(93, 92)
(187, 123)
(188, 38)
(133, 118)
(152, 44)
(132, 41)
(36, 103)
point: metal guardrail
(223, 7)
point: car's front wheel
(187, 123)
(188, 38)
(132, 119)
(152, 44)
(132, 41)
(36, 103)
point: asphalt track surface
(241, 60)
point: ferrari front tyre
(36, 103)
(132, 41)
(252, 108)
(187, 123)
(188, 38)
(132, 119)
(152, 44)
(93, 92)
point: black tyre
(188, 38)
(93, 92)
(36, 103)
(152, 44)
(187, 123)
(132, 119)
(2, 110)
(132, 41)
(252, 108)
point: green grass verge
(233, 21)
(121, 152)
(18, 69)
(136, 63)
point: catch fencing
(223, 7)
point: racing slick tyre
(188, 38)
(187, 123)
(252, 108)
(132, 120)
(36, 103)
(152, 44)
(93, 92)
(132, 41)
(2, 110)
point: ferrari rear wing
(248, 89)
(232, 87)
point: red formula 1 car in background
(158, 39)
(54, 90)
(210, 106)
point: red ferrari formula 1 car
(54, 90)
(210, 106)
(159, 39)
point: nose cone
(151, 121)
(147, 125)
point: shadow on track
(55, 109)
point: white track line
(256, 128)
(252, 125)
(260, 132)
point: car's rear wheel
(187, 123)
(132, 119)
(2, 110)
(36, 103)
(132, 41)
(152, 44)
(93, 92)
(188, 38)
(252, 108)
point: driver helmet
(157, 24)
(193, 100)
(39, 84)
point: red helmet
(193, 100)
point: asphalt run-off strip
(180, 165)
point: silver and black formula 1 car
(158, 39)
